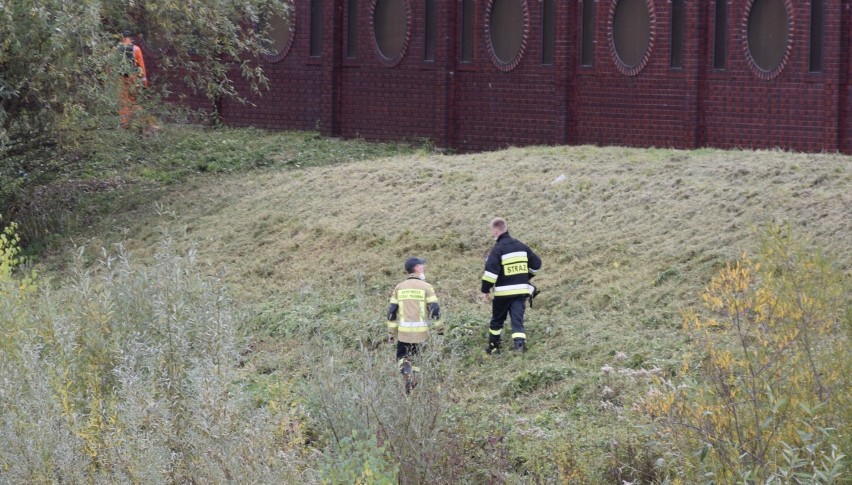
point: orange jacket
(140, 61)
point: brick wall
(300, 92)
(476, 106)
(522, 106)
(845, 109)
(654, 107)
(796, 110)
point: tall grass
(371, 428)
(129, 374)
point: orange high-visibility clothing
(129, 84)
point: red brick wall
(845, 108)
(476, 106)
(300, 94)
(655, 107)
(297, 99)
(180, 94)
(522, 106)
(377, 102)
(796, 110)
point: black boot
(493, 344)
(520, 345)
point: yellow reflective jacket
(413, 305)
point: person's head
(498, 226)
(415, 265)
(126, 34)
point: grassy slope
(628, 240)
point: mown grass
(180, 151)
(309, 235)
(113, 172)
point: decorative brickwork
(773, 72)
(636, 68)
(491, 32)
(476, 105)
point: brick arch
(288, 44)
(397, 58)
(507, 66)
(652, 28)
(759, 72)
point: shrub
(358, 460)
(130, 374)
(14, 288)
(357, 398)
(768, 398)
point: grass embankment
(628, 238)
(116, 172)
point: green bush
(767, 398)
(131, 374)
(358, 460)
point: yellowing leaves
(10, 286)
(772, 352)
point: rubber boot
(520, 345)
(493, 344)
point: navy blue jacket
(509, 268)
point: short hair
(498, 223)
(126, 33)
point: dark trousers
(406, 349)
(514, 308)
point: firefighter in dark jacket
(508, 270)
(413, 306)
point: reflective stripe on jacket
(509, 267)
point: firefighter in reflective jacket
(413, 305)
(508, 270)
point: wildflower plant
(767, 399)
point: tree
(54, 58)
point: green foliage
(530, 380)
(120, 171)
(358, 460)
(129, 374)
(9, 250)
(768, 400)
(58, 71)
(15, 287)
(816, 459)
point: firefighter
(413, 305)
(508, 270)
(131, 70)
